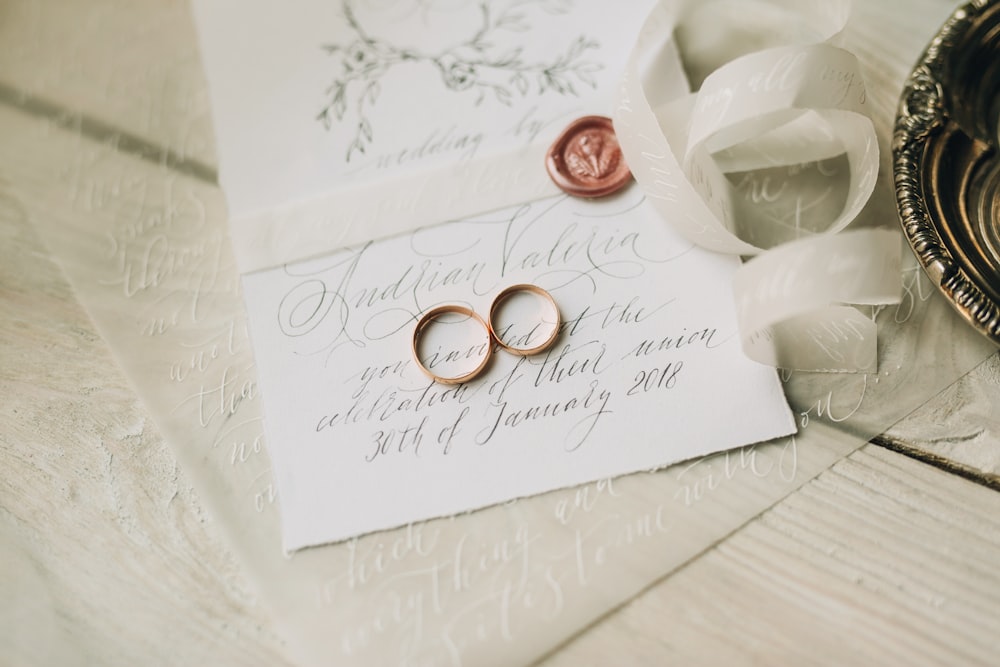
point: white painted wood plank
(101, 535)
(880, 560)
(959, 427)
(122, 67)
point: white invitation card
(647, 356)
(383, 158)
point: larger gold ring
(534, 289)
(429, 317)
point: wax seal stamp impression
(586, 160)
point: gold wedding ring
(433, 314)
(491, 333)
(534, 289)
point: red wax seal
(586, 160)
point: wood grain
(960, 427)
(93, 507)
(880, 560)
(118, 70)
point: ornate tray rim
(921, 114)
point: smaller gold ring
(429, 317)
(535, 289)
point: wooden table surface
(107, 556)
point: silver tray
(946, 166)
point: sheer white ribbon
(753, 164)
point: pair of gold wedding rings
(490, 329)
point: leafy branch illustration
(476, 66)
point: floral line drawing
(477, 66)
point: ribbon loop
(775, 148)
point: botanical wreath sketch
(477, 65)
